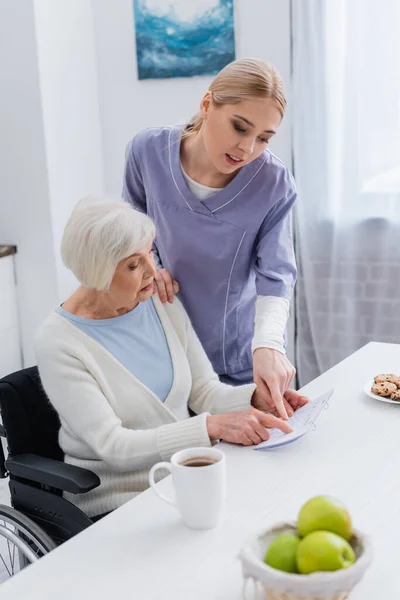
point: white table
(142, 551)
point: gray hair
(99, 234)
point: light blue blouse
(137, 340)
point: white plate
(367, 390)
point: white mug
(200, 491)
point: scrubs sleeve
(275, 265)
(133, 190)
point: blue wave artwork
(183, 38)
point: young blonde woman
(222, 202)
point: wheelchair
(39, 518)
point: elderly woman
(121, 368)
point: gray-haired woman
(121, 368)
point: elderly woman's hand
(273, 374)
(166, 286)
(246, 427)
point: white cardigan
(114, 425)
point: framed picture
(183, 38)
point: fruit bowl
(278, 585)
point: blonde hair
(99, 234)
(242, 80)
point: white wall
(68, 80)
(50, 143)
(70, 102)
(128, 105)
(25, 218)
(10, 347)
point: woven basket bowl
(278, 585)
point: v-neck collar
(221, 198)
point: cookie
(384, 389)
(388, 378)
(395, 396)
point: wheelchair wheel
(22, 542)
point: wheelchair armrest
(53, 473)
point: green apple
(282, 552)
(327, 513)
(324, 551)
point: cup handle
(153, 485)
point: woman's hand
(292, 400)
(273, 374)
(166, 286)
(246, 427)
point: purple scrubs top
(223, 251)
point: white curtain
(346, 135)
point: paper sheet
(301, 422)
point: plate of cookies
(384, 387)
